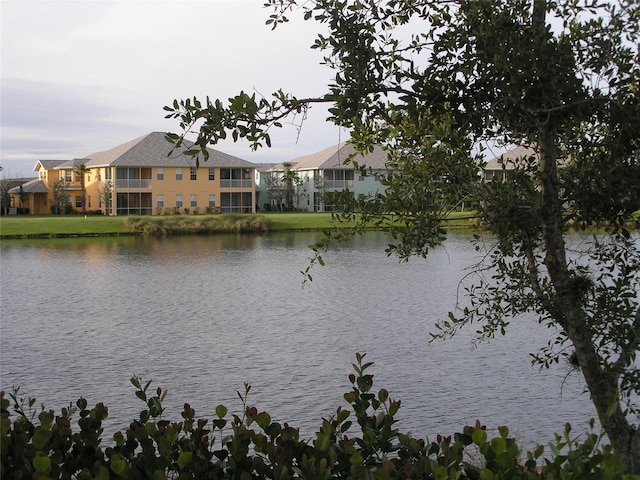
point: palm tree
(288, 177)
(80, 171)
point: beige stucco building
(141, 178)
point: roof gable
(510, 159)
(152, 150)
(33, 186)
(334, 158)
(48, 164)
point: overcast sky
(84, 76)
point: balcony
(137, 184)
(338, 184)
(235, 183)
(236, 209)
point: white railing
(232, 183)
(235, 209)
(134, 211)
(138, 183)
(339, 184)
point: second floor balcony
(338, 184)
(138, 184)
(236, 183)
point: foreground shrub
(250, 445)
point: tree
(294, 191)
(21, 196)
(80, 172)
(289, 177)
(436, 84)
(286, 188)
(5, 197)
(275, 189)
(60, 196)
(105, 196)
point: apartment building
(140, 178)
(321, 176)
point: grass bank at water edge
(49, 226)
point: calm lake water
(201, 316)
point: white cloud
(93, 74)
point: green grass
(287, 221)
(64, 225)
(33, 226)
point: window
(78, 177)
(193, 173)
(67, 175)
(89, 201)
(159, 173)
(178, 201)
(212, 200)
(194, 200)
(78, 201)
(212, 174)
(160, 200)
(178, 173)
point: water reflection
(203, 315)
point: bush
(250, 445)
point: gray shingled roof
(265, 167)
(510, 159)
(334, 157)
(33, 186)
(152, 150)
(49, 164)
(68, 164)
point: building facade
(321, 177)
(140, 178)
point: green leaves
(42, 464)
(221, 411)
(191, 449)
(244, 116)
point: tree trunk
(602, 383)
(568, 308)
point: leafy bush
(251, 445)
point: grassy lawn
(287, 221)
(72, 225)
(69, 225)
(53, 225)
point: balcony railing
(338, 184)
(137, 184)
(235, 209)
(134, 211)
(233, 183)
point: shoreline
(47, 227)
